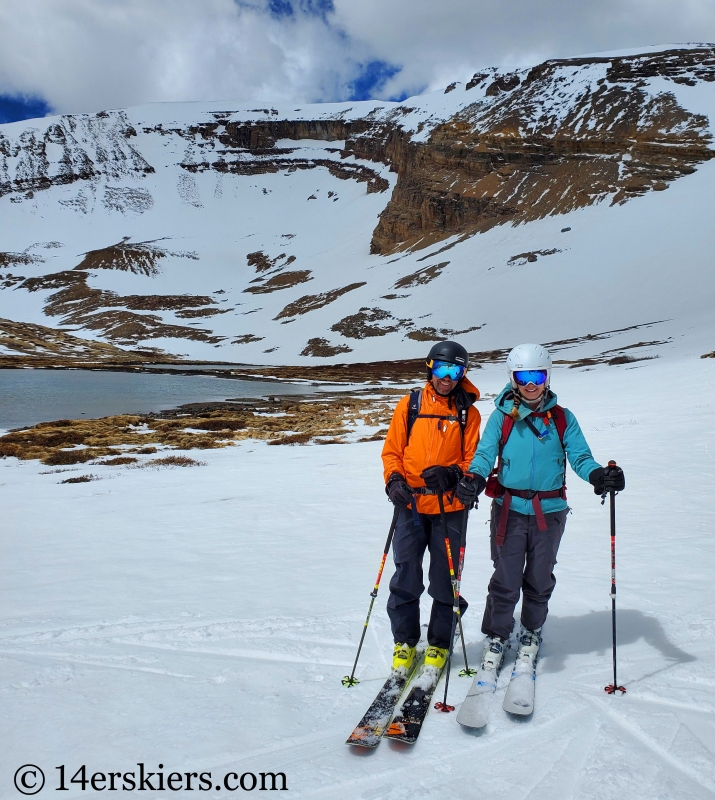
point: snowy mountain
(568, 202)
(178, 612)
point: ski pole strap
(525, 494)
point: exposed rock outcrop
(113, 315)
(40, 345)
(561, 136)
(71, 149)
(321, 348)
(264, 165)
(311, 302)
(283, 280)
(141, 258)
(368, 322)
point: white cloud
(84, 55)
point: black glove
(469, 488)
(441, 479)
(398, 491)
(607, 479)
(613, 479)
(596, 480)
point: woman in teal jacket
(529, 510)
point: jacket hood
(505, 402)
(470, 389)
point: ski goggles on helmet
(526, 376)
(444, 369)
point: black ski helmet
(452, 352)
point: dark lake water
(29, 396)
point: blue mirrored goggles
(444, 369)
(535, 376)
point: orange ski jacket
(433, 442)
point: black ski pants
(408, 547)
(523, 564)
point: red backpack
(493, 487)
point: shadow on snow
(592, 633)
(589, 633)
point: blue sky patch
(14, 108)
(373, 76)
(281, 8)
(312, 8)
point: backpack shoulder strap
(559, 418)
(507, 426)
(462, 414)
(413, 409)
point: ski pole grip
(612, 464)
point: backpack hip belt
(423, 490)
(525, 494)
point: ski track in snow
(186, 617)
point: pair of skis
(387, 717)
(519, 698)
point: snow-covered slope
(181, 617)
(549, 203)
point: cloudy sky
(86, 55)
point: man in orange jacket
(428, 448)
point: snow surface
(202, 618)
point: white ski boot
(519, 697)
(474, 712)
(529, 642)
(493, 654)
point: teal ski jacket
(528, 462)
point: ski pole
(612, 688)
(456, 617)
(467, 672)
(351, 680)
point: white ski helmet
(528, 356)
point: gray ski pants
(523, 564)
(408, 546)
